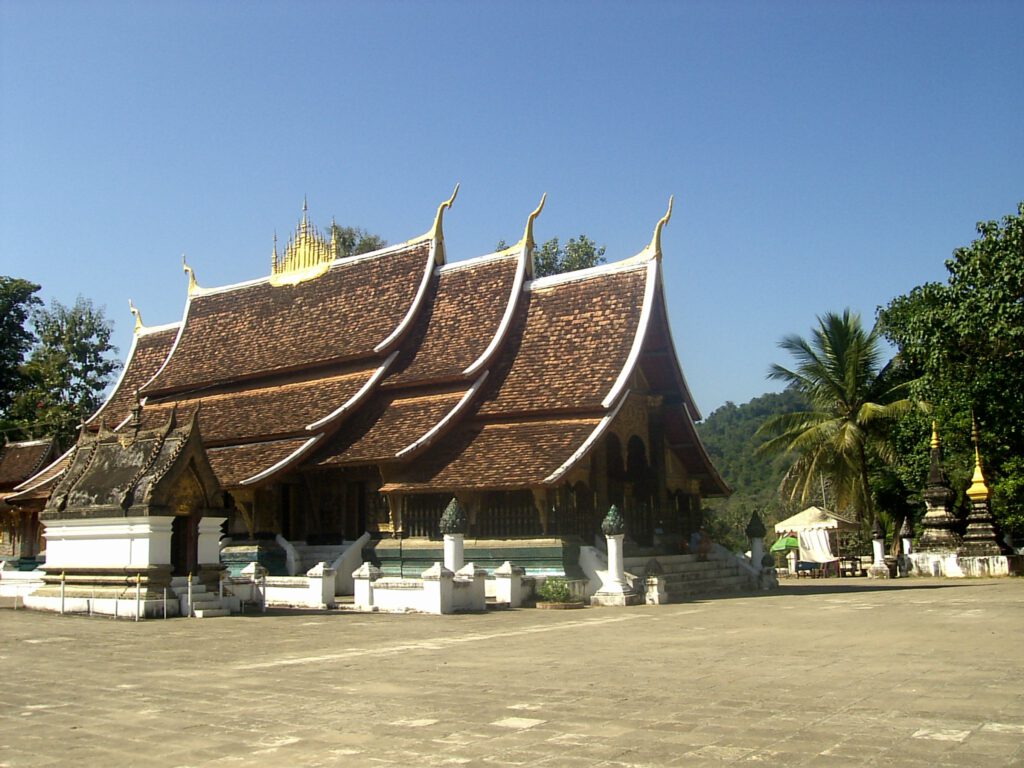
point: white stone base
(105, 606)
(879, 571)
(616, 598)
(953, 566)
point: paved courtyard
(822, 673)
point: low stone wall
(438, 590)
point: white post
(878, 551)
(509, 584)
(756, 553)
(791, 560)
(362, 579)
(454, 551)
(63, 576)
(321, 585)
(616, 568)
(165, 602)
(190, 614)
(138, 594)
(263, 584)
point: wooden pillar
(540, 501)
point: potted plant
(555, 594)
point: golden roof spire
(978, 490)
(193, 286)
(137, 314)
(273, 256)
(654, 249)
(334, 238)
(437, 231)
(307, 254)
(528, 244)
(935, 434)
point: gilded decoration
(632, 419)
(308, 254)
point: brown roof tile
(386, 426)
(569, 344)
(258, 328)
(502, 455)
(149, 350)
(264, 413)
(19, 461)
(235, 463)
(459, 324)
(40, 485)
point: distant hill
(728, 434)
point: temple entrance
(184, 544)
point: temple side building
(338, 396)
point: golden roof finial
(334, 238)
(273, 256)
(138, 315)
(193, 286)
(528, 242)
(437, 231)
(935, 434)
(978, 490)
(307, 255)
(654, 249)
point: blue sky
(822, 155)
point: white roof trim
(588, 443)
(638, 339)
(283, 462)
(25, 443)
(338, 262)
(429, 435)
(120, 379)
(146, 330)
(414, 309)
(506, 319)
(357, 398)
(475, 261)
(24, 486)
(625, 265)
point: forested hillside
(728, 434)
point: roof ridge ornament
(528, 244)
(654, 249)
(437, 231)
(193, 286)
(307, 255)
(138, 315)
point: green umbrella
(785, 542)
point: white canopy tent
(813, 528)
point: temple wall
(105, 542)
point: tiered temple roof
(445, 376)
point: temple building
(20, 532)
(338, 396)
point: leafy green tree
(67, 371)
(844, 432)
(17, 300)
(353, 241)
(730, 435)
(964, 340)
(551, 258)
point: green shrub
(555, 591)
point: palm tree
(851, 403)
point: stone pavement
(823, 673)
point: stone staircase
(205, 604)
(678, 578)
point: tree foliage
(67, 371)
(552, 258)
(353, 241)
(844, 432)
(17, 300)
(730, 436)
(964, 340)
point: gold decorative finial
(979, 490)
(654, 249)
(307, 255)
(138, 315)
(528, 240)
(334, 238)
(935, 434)
(437, 231)
(193, 286)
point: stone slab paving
(826, 673)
